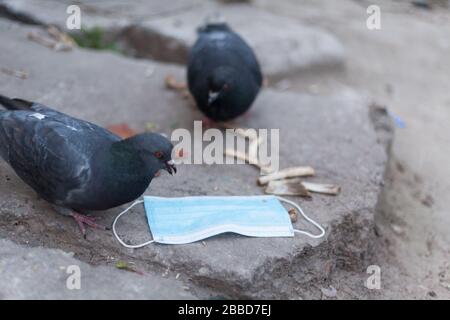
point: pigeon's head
(220, 84)
(155, 150)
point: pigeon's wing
(70, 122)
(247, 55)
(49, 150)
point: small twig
(287, 173)
(288, 187)
(34, 36)
(57, 41)
(61, 36)
(172, 83)
(322, 188)
(242, 156)
(15, 73)
(297, 187)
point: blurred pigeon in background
(76, 165)
(224, 75)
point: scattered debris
(399, 122)
(297, 187)
(122, 265)
(278, 183)
(245, 157)
(15, 73)
(329, 292)
(288, 187)
(151, 126)
(293, 215)
(149, 71)
(254, 143)
(122, 130)
(166, 273)
(177, 276)
(181, 87)
(173, 84)
(330, 189)
(428, 201)
(446, 285)
(398, 229)
(286, 173)
(61, 37)
(284, 84)
(55, 40)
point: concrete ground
(403, 66)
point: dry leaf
(122, 130)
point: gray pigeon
(223, 74)
(76, 165)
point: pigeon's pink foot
(85, 220)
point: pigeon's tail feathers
(15, 104)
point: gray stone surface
(333, 134)
(165, 32)
(40, 273)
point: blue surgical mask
(189, 219)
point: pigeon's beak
(212, 96)
(170, 167)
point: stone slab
(149, 29)
(38, 273)
(333, 134)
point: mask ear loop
(131, 246)
(318, 226)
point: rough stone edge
(11, 14)
(349, 248)
(136, 40)
(273, 275)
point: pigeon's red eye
(158, 154)
(225, 87)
